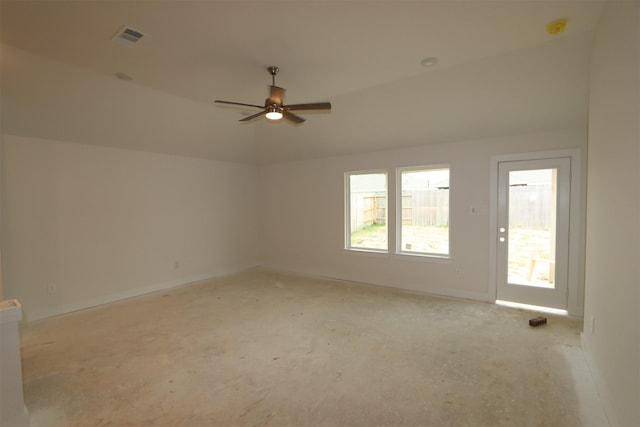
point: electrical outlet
(51, 288)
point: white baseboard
(33, 315)
(429, 290)
(598, 382)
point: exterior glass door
(533, 231)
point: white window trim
(398, 201)
(347, 212)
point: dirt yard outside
(425, 239)
(524, 245)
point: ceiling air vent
(128, 36)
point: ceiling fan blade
(238, 103)
(311, 106)
(276, 96)
(292, 117)
(254, 116)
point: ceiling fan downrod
(273, 71)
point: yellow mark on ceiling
(556, 27)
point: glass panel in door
(533, 231)
(532, 227)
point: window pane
(425, 211)
(368, 211)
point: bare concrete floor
(264, 348)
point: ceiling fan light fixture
(274, 113)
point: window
(423, 217)
(421, 211)
(366, 205)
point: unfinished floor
(266, 348)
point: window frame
(347, 210)
(398, 223)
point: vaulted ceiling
(498, 73)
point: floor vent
(128, 36)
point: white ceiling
(499, 73)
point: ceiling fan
(274, 109)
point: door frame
(575, 267)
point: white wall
(45, 98)
(613, 214)
(102, 224)
(302, 215)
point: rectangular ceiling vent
(128, 36)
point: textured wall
(302, 215)
(613, 215)
(98, 224)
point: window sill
(404, 256)
(415, 256)
(366, 252)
